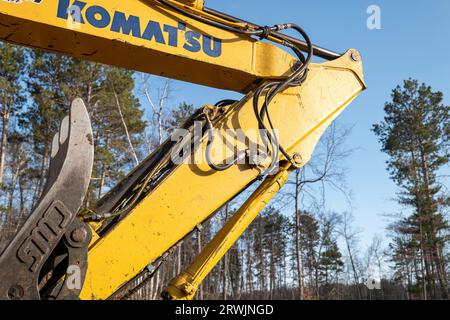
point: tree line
(297, 248)
(36, 90)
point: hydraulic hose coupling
(284, 26)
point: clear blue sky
(414, 42)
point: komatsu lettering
(132, 26)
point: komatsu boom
(288, 103)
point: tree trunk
(103, 171)
(355, 272)
(199, 250)
(225, 263)
(435, 246)
(297, 235)
(130, 143)
(43, 175)
(3, 144)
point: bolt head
(79, 235)
(355, 55)
(188, 288)
(16, 292)
(297, 159)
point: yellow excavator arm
(288, 104)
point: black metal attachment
(52, 240)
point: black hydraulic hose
(318, 51)
(209, 22)
(279, 87)
(208, 154)
(273, 88)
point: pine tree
(115, 113)
(415, 134)
(47, 81)
(118, 128)
(309, 240)
(330, 263)
(275, 242)
(12, 71)
(178, 116)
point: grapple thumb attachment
(51, 234)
